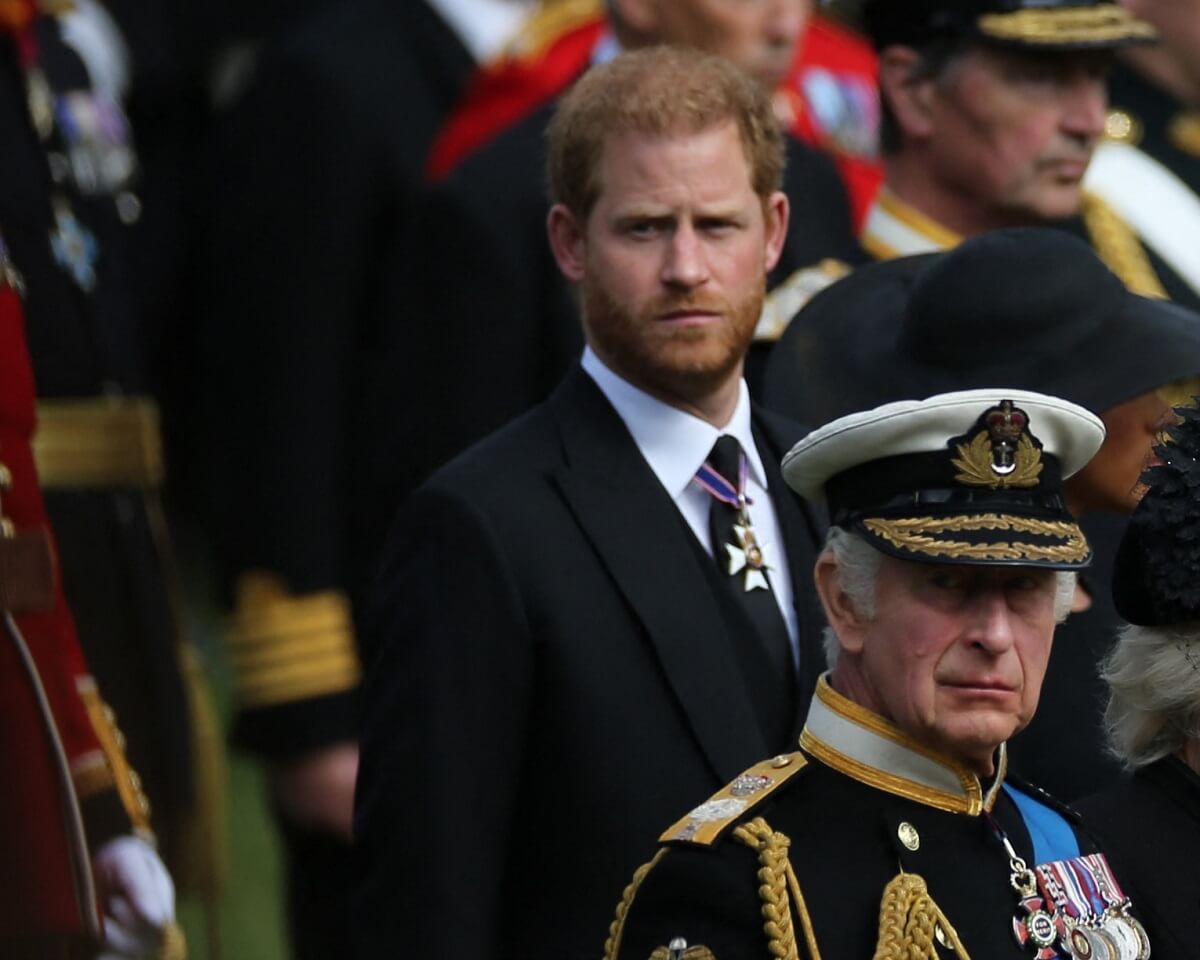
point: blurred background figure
(68, 206)
(80, 867)
(1150, 824)
(314, 169)
(1148, 169)
(969, 317)
(987, 124)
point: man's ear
(776, 213)
(841, 614)
(567, 241)
(909, 96)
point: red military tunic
(45, 887)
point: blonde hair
(657, 91)
(1153, 676)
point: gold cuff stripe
(112, 742)
(1098, 24)
(285, 647)
(918, 535)
(860, 715)
(91, 774)
(328, 675)
(1119, 248)
(98, 442)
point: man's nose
(1085, 108)
(991, 627)
(685, 264)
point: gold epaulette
(729, 804)
(550, 21)
(286, 647)
(785, 301)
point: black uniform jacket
(875, 827)
(554, 680)
(495, 318)
(308, 333)
(1150, 827)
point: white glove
(138, 898)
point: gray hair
(858, 572)
(1153, 676)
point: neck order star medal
(748, 554)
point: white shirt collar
(674, 443)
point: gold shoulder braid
(1118, 246)
(779, 890)
(612, 946)
(911, 924)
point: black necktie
(729, 526)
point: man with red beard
(604, 607)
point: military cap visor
(969, 477)
(1052, 25)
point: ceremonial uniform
(864, 843)
(68, 787)
(66, 200)
(309, 329)
(557, 675)
(895, 831)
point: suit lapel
(645, 544)
(802, 536)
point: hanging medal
(1074, 908)
(748, 554)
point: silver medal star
(748, 555)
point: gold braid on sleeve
(911, 924)
(779, 890)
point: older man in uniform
(990, 114)
(895, 831)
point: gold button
(783, 760)
(908, 835)
(6, 478)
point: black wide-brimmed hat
(969, 477)
(1032, 308)
(1156, 580)
(1024, 24)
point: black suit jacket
(554, 682)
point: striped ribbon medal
(1088, 913)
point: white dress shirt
(675, 444)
